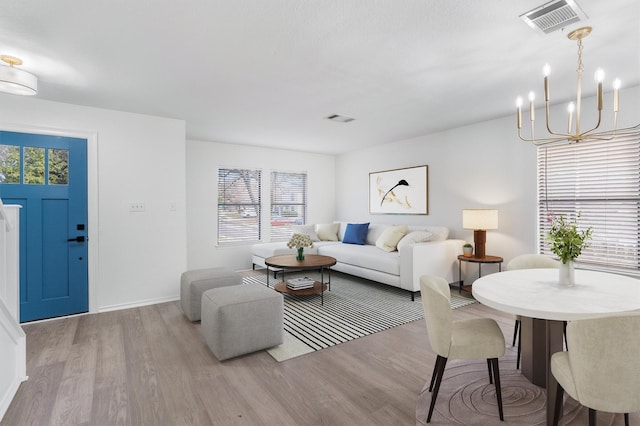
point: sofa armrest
(439, 258)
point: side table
(479, 261)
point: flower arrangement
(299, 241)
(566, 241)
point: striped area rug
(354, 308)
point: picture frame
(399, 191)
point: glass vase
(567, 275)
(300, 255)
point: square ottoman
(242, 319)
(194, 283)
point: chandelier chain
(580, 65)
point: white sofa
(402, 268)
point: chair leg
(592, 417)
(496, 375)
(519, 350)
(435, 372)
(626, 419)
(558, 404)
(434, 395)
(564, 333)
(489, 367)
(515, 332)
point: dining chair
(601, 368)
(528, 261)
(464, 339)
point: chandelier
(574, 131)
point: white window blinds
(600, 181)
(288, 203)
(238, 206)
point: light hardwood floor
(150, 366)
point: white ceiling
(267, 72)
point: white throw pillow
(327, 231)
(390, 237)
(415, 237)
(309, 230)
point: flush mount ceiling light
(16, 81)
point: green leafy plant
(565, 239)
(468, 245)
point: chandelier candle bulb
(546, 70)
(616, 94)
(519, 111)
(532, 97)
(599, 77)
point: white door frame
(92, 196)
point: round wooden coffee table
(311, 261)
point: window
(238, 206)
(600, 181)
(288, 202)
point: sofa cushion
(309, 230)
(439, 233)
(415, 237)
(327, 231)
(390, 237)
(366, 256)
(356, 233)
(375, 231)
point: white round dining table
(544, 305)
(536, 293)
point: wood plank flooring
(151, 366)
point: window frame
(283, 231)
(249, 227)
(600, 182)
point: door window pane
(34, 165)
(58, 166)
(9, 164)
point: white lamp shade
(17, 82)
(479, 219)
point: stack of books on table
(300, 283)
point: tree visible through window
(238, 205)
(288, 202)
(600, 181)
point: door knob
(78, 239)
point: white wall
(203, 160)
(135, 258)
(484, 165)
(478, 166)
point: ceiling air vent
(339, 118)
(554, 15)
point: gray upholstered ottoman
(194, 283)
(242, 319)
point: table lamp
(479, 220)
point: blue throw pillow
(356, 233)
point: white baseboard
(138, 304)
(8, 396)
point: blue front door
(47, 176)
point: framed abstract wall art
(399, 191)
